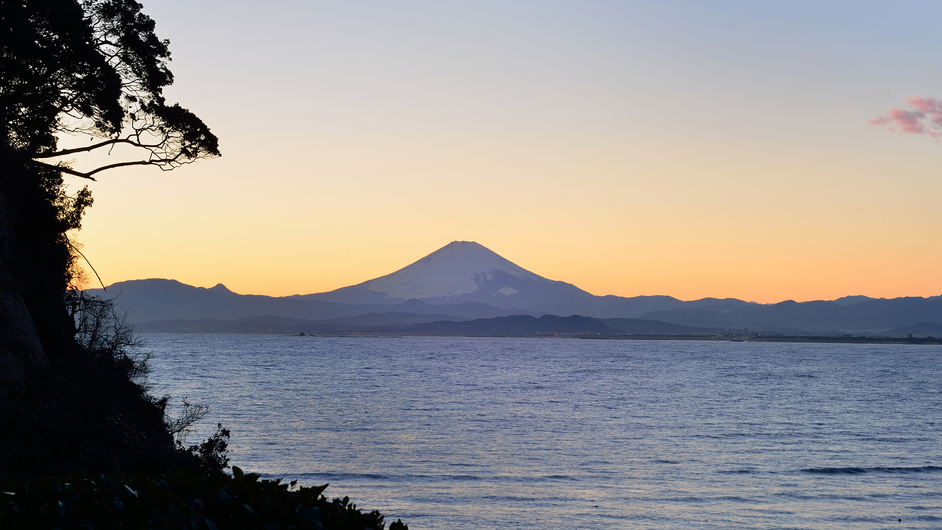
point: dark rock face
(64, 406)
(20, 345)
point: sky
(765, 151)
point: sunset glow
(746, 150)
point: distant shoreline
(931, 341)
(805, 339)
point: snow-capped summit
(460, 267)
(462, 271)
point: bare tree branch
(103, 288)
(104, 78)
(67, 152)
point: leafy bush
(212, 452)
(186, 499)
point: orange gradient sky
(762, 151)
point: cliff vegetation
(73, 397)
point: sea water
(461, 433)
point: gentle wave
(743, 471)
(461, 434)
(862, 470)
(336, 476)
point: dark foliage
(38, 214)
(211, 452)
(185, 499)
(95, 68)
(84, 413)
(50, 67)
(87, 408)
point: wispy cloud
(924, 116)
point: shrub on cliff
(71, 393)
(71, 397)
(185, 499)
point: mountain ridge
(466, 281)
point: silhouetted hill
(638, 326)
(464, 280)
(518, 325)
(921, 330)
(620, 307)
(157, 299)
(389, 322)
(871, 316)
(851, 300)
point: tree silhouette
(70, 396)
(96, 68)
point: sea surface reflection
(451, 433)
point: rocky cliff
(64, 405)
(20, 344)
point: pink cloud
(930, 106)
(923, 117)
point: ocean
(461, 433)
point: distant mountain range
(464, 288)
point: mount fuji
(464, 281)
(465, 271)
